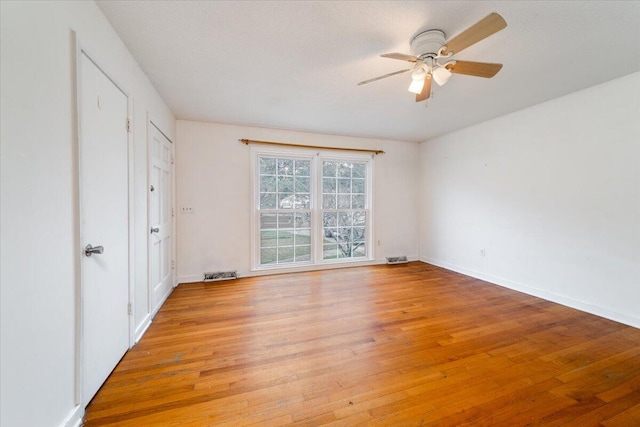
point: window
(284, 210)
(344, 214)
(311, 209)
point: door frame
(152, 311)
(79, 48)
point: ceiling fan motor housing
(427, 43)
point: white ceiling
(295, 64)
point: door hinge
(129, 309)
(173, 265)
(172, 213)
(172, 160)
(128, 125)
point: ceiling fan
(429, 47)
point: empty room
(319, 213)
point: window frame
(315, 206)
(256, 211)
(332, 157)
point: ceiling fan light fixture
(441, 75)
(418, 75)
(416, 85)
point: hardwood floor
(408, 345)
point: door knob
(90, 250)
(154, 230)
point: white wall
(551, 193)
(213, 175)
(38, 257)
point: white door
(104, 223)
(160, 217)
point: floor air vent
(220, 275)
(397, 260)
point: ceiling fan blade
(479, 31)
(478, 69)
(426, 90)
(383, 77)
(400, 56)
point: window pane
(285, 254)
(359, 250)
(329, 219)
(302, 167)
(357, 186)
(344, 250)
(328, 169)
(267, 200)
(345, 218)
(267, 166)
(358, 234)
(268, 221)
(303, 253)
(303, 220)
(302, 184)
(359, 218)
(302, 237)
(285, 220)
(268, 256)
(344, 234)
(344, 170)
(329, 185)
(359, 170)
(285, 200)
(302, 201)
(285, 184)
(330, 235)
(329, 251)
(328, 201)
(344, 185)
(268, 238)
(344, 201)
(357, 201)
(267, 184)
(285, 238)
(285, 166)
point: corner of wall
(74, 419)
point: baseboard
(74, 419)
(255, 273)
(533, 291)
(189, 279)
(142, 328)
(161, 303)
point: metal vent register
(397, 260)
(220, 275)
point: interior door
(104, 225)
(160, 217)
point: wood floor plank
(598, 415)
(384, 345)
(624, 388)
(630, 417)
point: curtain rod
(288, 144)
